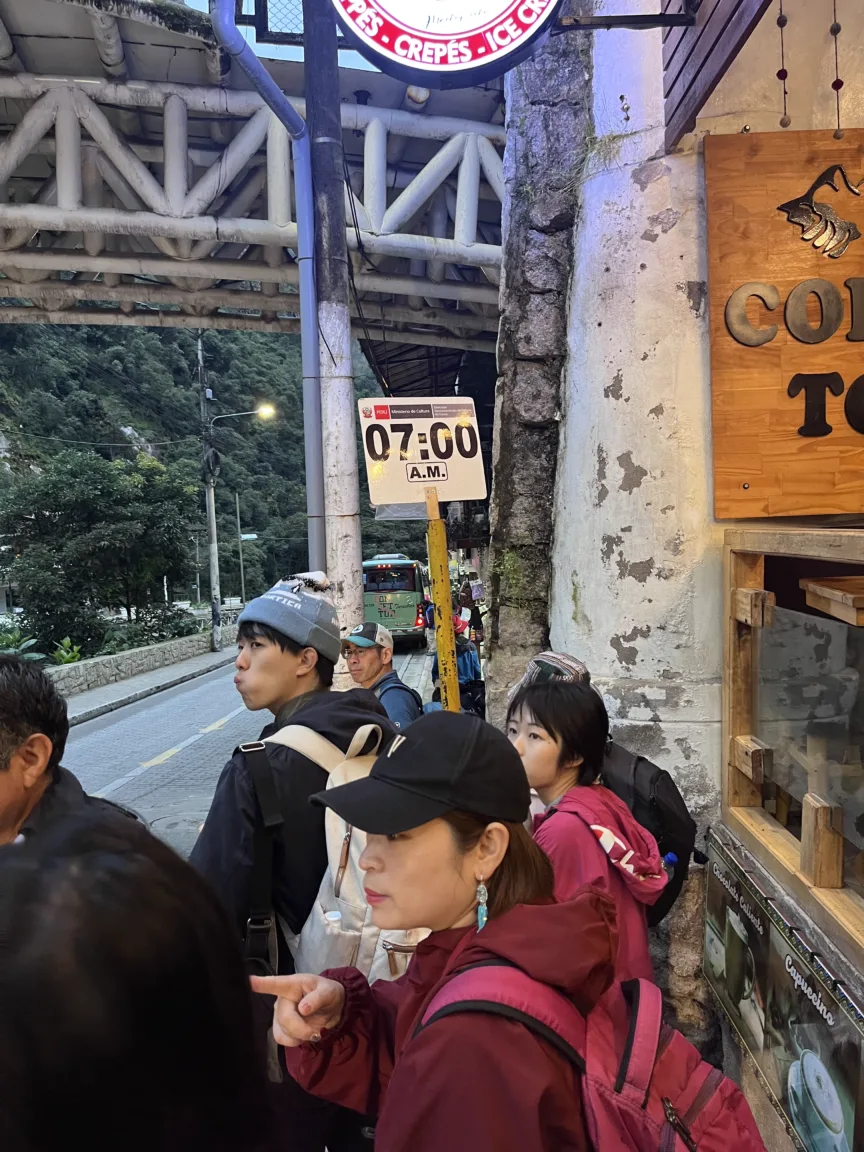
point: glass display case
(794, 717)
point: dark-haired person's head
(288, 645)
(33, 731)
(444, 809)
(125, 1016)
(560, 730)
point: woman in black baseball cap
(444, 810)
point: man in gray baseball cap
(288, 644)
(368, 652)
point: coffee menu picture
(807, 1047)
(737, 941)
(812, 1056)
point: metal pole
(67, 133)
(240, 102)
(338, 403)
(240, 546)
(210, 495)
(375, 173)
(176, 134)
(32, 259)
(197, 570)
(445, 637)
(215, 590)
(232, 40)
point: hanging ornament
(782, 74)
(835, 31)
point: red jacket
(469, 1082)
(591, 838)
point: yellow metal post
(445, 637)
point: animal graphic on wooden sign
(820, 224)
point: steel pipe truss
(89, 209)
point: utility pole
(338, 404)
(240, 546)
(211, 471)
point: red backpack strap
(513, 994)
(643, 1011)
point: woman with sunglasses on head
(444, 809)
(560, 730)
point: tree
(86, 533)
(113, 393)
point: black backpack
(653, 797)
(402, 687)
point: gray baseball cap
(305, 619)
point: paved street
(162, 756)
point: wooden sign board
(786, 284)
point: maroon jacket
(469, 1082)
(591, 837)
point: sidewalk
(416, 672)
(97, 702)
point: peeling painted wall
(636, 588)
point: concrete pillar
(548, 133)
(636, 586)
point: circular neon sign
(446, 43)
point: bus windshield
(392, 579)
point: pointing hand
(305, 1005)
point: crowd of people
(465, 957)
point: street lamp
(263, 412)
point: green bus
(395, 594)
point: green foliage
(14, 643)
(154, 625)
(89, 533)
(104, 424)
(66, 652)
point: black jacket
(65, 797)
(224, 852)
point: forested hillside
(117, 392)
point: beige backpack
(339, 932)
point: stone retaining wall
(101, 670)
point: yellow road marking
(161, 759)
(214, 727)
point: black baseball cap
(444, 762)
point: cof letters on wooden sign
(786, 292)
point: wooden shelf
(839, 596)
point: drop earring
(482, 910)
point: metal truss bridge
(142, 182)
